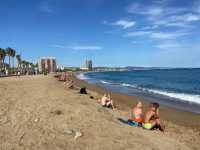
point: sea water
(179, 88)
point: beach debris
(21, 138)
(68, 131)
(37, 119)
(76, 132)
(91, 97)
(57, 112)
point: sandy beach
(38, 112)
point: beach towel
(130, 122)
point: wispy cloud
(44, 6)
(167, 35)
(157, 35)
(136, 8)
(161, 14)
(183, 20)
(86, 47)
(58, 46)
(168, 45)
(138, 33)
(124, 23)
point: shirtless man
(151, 119)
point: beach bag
(83, 90)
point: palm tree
(18, 57)
(2, 57)
(9, 52)
(13, 57)
(23, 64)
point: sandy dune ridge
(37, 111)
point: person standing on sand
(135, 117)
(18, 73)
(151, 119)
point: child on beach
(135, 117)
(151, 119)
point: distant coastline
(131, 68)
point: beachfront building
(87, 66)
(47, 64)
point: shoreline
(41, 106)
(125, 102)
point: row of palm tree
(11, 54)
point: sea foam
(181, 96)
(82, 76)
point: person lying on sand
(106, 101)
(135, 117)
(151, 119)
(70, 84)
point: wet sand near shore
(39, 113)
(125, 102)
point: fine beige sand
(38, 113)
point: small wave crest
(129, 85)
(105, 82)
(181, 96)
(82, 76)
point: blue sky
(161, 33)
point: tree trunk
(9, 61)
(1, 64)
(13, 62)
(4, 64)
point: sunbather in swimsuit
(136, 115)
(151, 119)
(106, 101)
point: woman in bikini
(136, 117)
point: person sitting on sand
(106, 101)
(151, 119)
(135, 117)
(83, 90)
(70, 84)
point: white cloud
(167, 35)
(162, 15)
(138, 33)
(185, 18)
(157, 35)
(168, 45)
(153, 10)
(58, 46)
(86, 47)
(124, 23)
(136, 8)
